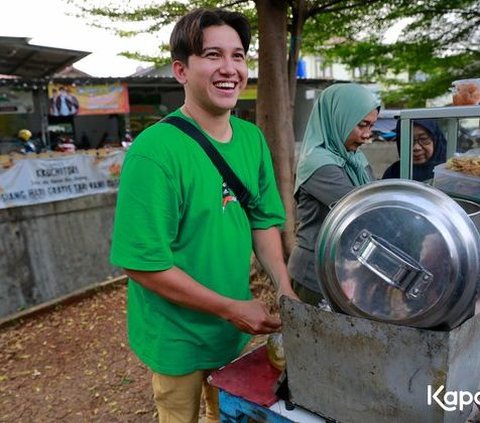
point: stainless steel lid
(402, 252)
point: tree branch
(325, 8)
(235, 3)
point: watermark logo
(451, 400)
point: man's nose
(228, 65)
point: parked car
(384, 128)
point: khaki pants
(178, 398)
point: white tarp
(34, 180)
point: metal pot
(471, 208)
(402, 252)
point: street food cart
(399, 263)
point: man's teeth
(225, 85)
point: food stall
(459, 176)
(399, 262)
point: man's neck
(218, 127)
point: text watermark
(451, 400)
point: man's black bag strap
(242, 194)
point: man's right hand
(179, 288)
(252, 317)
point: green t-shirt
(173, 210)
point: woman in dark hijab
(429, 149)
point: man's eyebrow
(220, 48)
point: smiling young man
(180, 233)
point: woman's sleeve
(328, 184)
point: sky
(47, 23)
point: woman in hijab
(429, 149)
(329, 167)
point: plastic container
(456, 183)
(466, 92)
(275, 352)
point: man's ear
(178, 70)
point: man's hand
(252, 317)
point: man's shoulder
(159, 136)
(247, 131)
(245, 124)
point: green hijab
(335, 114)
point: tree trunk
(296, 30)
(274, 114)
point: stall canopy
(18, 57)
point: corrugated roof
(18, 57)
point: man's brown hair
(187, 35)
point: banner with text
(104, 99)
(34, 181)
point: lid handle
(393, 265)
